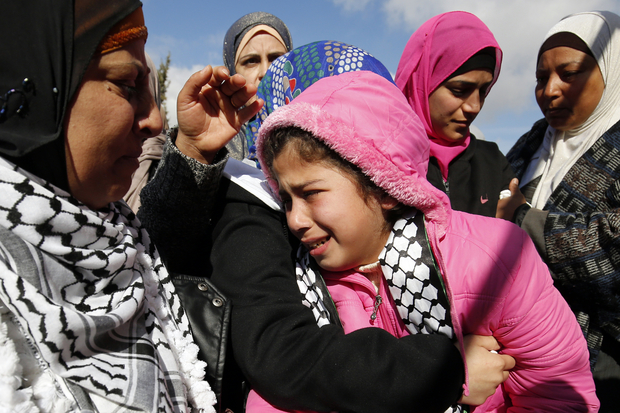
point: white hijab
(560, 150)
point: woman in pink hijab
(446, 71)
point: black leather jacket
(208, 312)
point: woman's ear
(388, 202)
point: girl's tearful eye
(310, 194)
(286, 201)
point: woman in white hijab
(568, 193)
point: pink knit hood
(368, 121)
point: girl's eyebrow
(300, 186)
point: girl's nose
(297, 218)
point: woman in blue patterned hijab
(294, 72)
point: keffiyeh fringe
(23, 385)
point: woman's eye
(131, 91)
(541, 79)
(274, 57)
(570, 75)
(128, 90)
(251, 61)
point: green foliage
(164, 82)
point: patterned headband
(130, 28)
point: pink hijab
(435, 51)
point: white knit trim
(24, 387)
(199, 392)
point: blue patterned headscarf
(292, 73)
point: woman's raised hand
(211, 108)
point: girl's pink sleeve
(537, 328)
(256, 404)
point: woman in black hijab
(88, 316)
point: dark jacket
(182, 184)
(246, 251)
(208, 311)
(475, 178)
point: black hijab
(235, 34)
(45, 51)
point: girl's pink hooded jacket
(496, 282)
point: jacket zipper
(378, 301)
(446, 186)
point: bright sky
(192, 31)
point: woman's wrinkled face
(112, 113)
(257, 55)
(569, 86)
(456, 102)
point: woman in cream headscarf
(253, 42)
(568, 170)
(250, 45)
(152, 148)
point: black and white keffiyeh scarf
(94, 301)
(412, 277)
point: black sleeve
(498, 164)
(295, 364)
(507, 172)
(177, 206)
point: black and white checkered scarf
(94, 301)
(412, 278)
